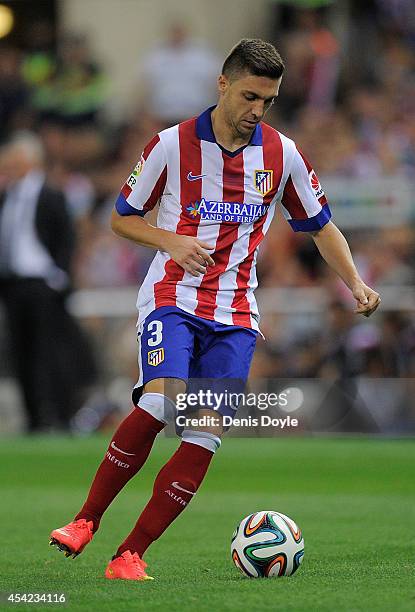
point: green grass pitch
(353, 498)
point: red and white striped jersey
(225, 199)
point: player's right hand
(190, 253)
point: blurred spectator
(51, 356)
(178, 78)
(39, 63)
(74, 92)
(312, 56)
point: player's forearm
(335, 251)
(135, 228)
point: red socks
(127, 452)
(174, 487)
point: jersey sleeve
(304, 204)
(146, 183)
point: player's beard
(244, 132)
(241, 131)
(238, 131)
(249, 129)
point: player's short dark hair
(255, 56)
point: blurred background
(91, 81)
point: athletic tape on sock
(159, 406)
(202, 438)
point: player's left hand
(367, 299)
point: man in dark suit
(37, 240)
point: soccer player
(218, 178)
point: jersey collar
(204, 130)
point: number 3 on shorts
(156, 330)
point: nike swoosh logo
(176, 484)
(195, 177)
(121, 451)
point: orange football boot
(72, 538)
(127, 566)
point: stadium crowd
(352, 112)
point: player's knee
(202, 438)
(159, 406)
(170, 387)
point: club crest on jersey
(155, 357)
(132, 179)
(263, 181)
(315, 184)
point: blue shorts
(205, 354)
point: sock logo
(177, 486)
(121, 451)
(176, 498)
(114, 459)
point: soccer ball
(267, 544)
